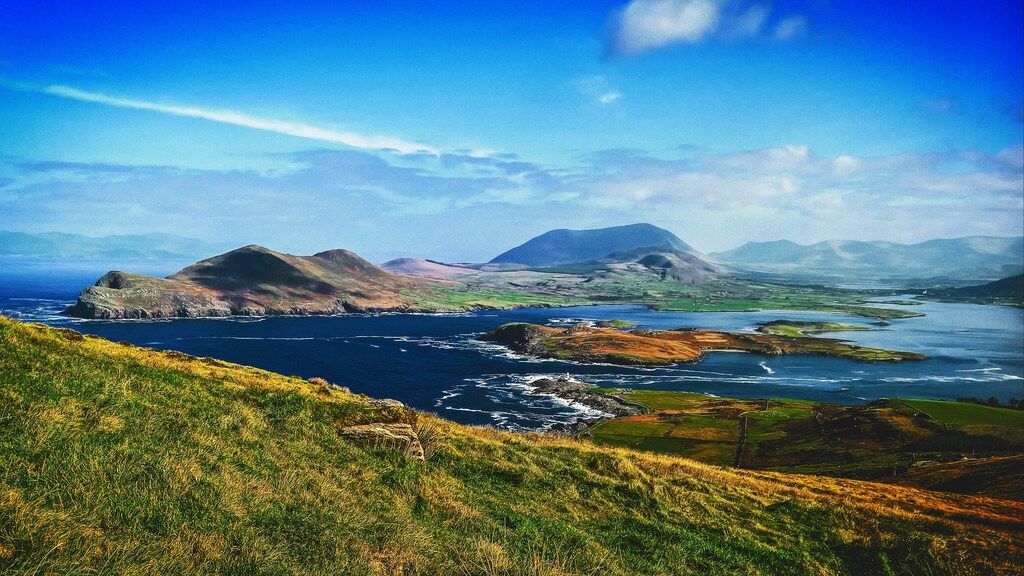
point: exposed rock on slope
(583, 393)
(664, 264)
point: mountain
(58, 246)
(651, 263)
(968, 258)
(251, 280)
(126, 460)
(563, 246)
(427, 268)
(1006, 291)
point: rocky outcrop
(585, 394)
(392, 436)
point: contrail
(230, 117)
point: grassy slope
(965, 413)
(798, 328)
(579, 284)
(459, 298)
(116, 459)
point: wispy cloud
(790, 27)
(597, 88)
(646, 25)
(720, 198)
(297, 129)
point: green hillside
(122, 460)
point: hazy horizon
(238, 244)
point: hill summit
(563, 246)
(250, 280)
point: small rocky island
(573, 390)
(658, 347)
(611, 402)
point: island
(658, 347)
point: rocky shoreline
(572, 390)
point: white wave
(951, 379)
(251, 338)
(989, 369)
(767, 369)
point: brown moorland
(592, 344)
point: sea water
(436, 363)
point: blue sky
(724, 121)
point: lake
(435, 363)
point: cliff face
(250, 281)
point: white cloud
(716, 199)
(609, 97)
(845, 165)
(646, 25)
(938, 192)
(791, 27)
(748, 24)
(296, 129)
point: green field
(121, 460)
(797, 328)
(458, 298)
(721, 294)
(965, 413)
(868, 441)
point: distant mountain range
(559, 247)
(635, 248)
(957, 260)
(55, 245)
(972, 258)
